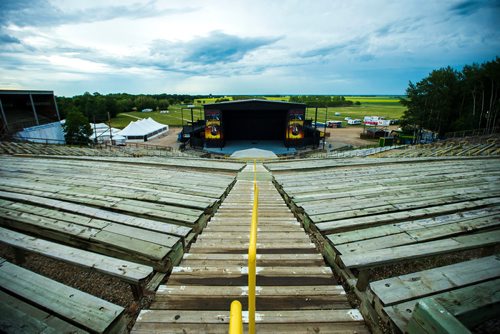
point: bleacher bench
(32, 303)
(133, 273)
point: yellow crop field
(280, 98)
(207, 100)
(374, 99)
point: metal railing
(235, 321)
(235, 318)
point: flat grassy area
(173, 118)
(359, 112)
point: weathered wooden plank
(64, 231)
(18, 317)
(471, 305)
(244, 228)
(149, 224)
(104, 188)
(141, 234)
(390, 255)
(455, 228)
(263, 260)
(474, 304)
(133, 245)
(261, 328)
(125, 270)
(203, 164)
(395, 217)
(337, 163)
(264, 248)
(431, 317)
(230, 235)
(424, 283)
(191, 297)
(70, 304)
(375, 243)
(308, 192)
(44, 225)
(195, 190)
(166, 162)
(205, 275)
(316, 204)
(261, 243)
(395, 175)
(422, 202)
(271, 317)
(419, 235)
(93, 239)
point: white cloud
(241, 47)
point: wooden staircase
(296, 291)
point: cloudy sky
(239, 46)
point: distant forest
(96, 106)
(449, 100)
(323, 101)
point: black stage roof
(254, 103)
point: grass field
(173, 118)
(388, 107)
(386, 111)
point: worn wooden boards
(139, 152)
(118, 217)
(139, 213)
(470, 291)
(455, 147)
(125, 270)
(70, 307)
(373, 214)
(296, 292)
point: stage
(275, 146)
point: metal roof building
(21, 109)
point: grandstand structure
(488, 145)
(345, 244)
(21, 109)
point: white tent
(101, 132)
(143, 130)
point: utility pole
(324, 133)
(182, 117)
(110, 133)
(316, 122)
(95, 132)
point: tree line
(96, 106)
(448, 100)
(323, 101)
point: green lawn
(387, 111)
(173, 118)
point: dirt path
(349, 136)
(131, 116)
(169, 140)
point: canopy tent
(101, 132)
(143, 130)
